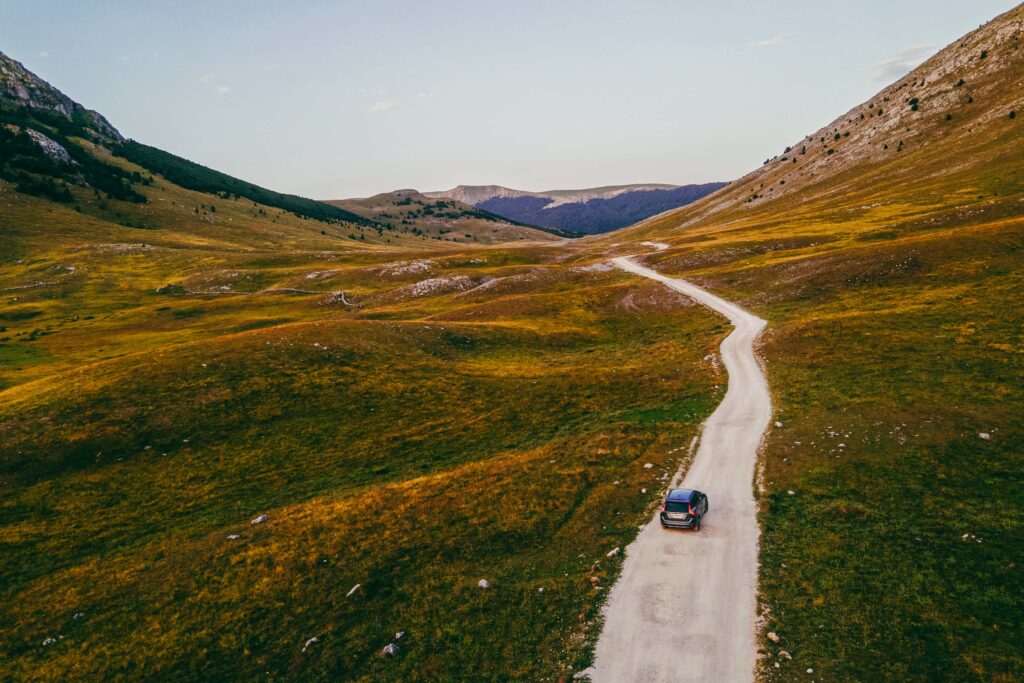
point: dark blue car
(684, 509)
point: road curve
(685, 606)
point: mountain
(886, 252)
(411, 212)
(53, 144)
(19, 87)
(587, 211)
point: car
(683, 509)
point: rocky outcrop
(20, 87)
(52, 148)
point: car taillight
(662, 508)
(689, 508)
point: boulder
(483, 583)
(259, 520)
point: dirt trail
(684, 608)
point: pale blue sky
(340, 99)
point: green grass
(454, 439)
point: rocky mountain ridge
(19, 87)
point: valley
(246, 434)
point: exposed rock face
(53, 149)
(21, 87)
(475, 194)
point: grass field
(410, 439)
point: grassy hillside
(413, 442)
(410, 413)
(888, 259)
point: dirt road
(684, 608)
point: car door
(703, 505)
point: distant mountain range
(587, 211)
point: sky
(348, 99)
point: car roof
(683, 495)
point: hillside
(587, 211)
(408, 211)
(885, 250)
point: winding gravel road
(684, 608)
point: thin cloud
(44, 54)
(386, 105)
(770, 42)
(901, 63)
(223, 89)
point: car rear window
(672, 506)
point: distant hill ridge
(588, 210)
